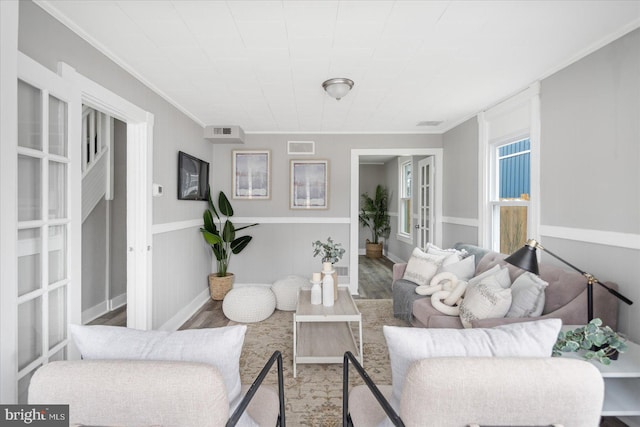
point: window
(510, 196)
(404, 202)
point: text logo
(34, 415)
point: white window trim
(401, 235)
(485, 161)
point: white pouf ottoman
(286, 291)
(249, 304)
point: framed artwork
(251, 174)
(309, 184)
(193, 177)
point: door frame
(139, 196)
(437, 154)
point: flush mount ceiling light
(338, 87)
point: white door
(48, 227)
(426, 220)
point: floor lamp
(526, 259)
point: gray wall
(47, 41)
(94, 253)
(460, 175)
(288, 243)
(589, 157)
(118, 242)
(590, 153)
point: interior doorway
(104, 219)
(370, 155)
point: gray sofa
(565, 297)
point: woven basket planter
(219, 286)
(374, 250)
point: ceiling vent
(430, 123)
(224, 134)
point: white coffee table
(621, 380)
(323, 334)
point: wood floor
(374, 277)
(117, 317)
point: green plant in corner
(374, 215)
(331, 252)
(599, 342)
(222, 238)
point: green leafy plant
(331, 252)
(222, 238)
(599, 342)
(374, 215)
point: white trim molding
(599, 237)
(169, 227)
(468, 222)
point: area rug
(314, 397)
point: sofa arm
(398, 270)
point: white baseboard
(94, 312)
(118, 301)
(189, 310)
(395, 258)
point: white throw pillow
(527, 294)
(451, 256)
(501, 274)
(462, 269)
(485, 300)
(525, 339)
(220, 347)
(422, 267)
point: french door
(48, 226)
(426, 192)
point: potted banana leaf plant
(223, 241)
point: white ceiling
(260, 64)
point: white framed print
(309, 184)
(251, 174)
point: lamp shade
(525, 258)
(337, 88)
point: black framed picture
(193, 177)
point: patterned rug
(314, 398)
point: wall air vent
(224, 134)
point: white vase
(327, 289)
(316, 293)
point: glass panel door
(425, 199)
(43, 230)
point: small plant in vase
(331, 252)
(599, 342)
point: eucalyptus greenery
(331, 252)
(374, 215)
(599, 342)
(222, 238)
